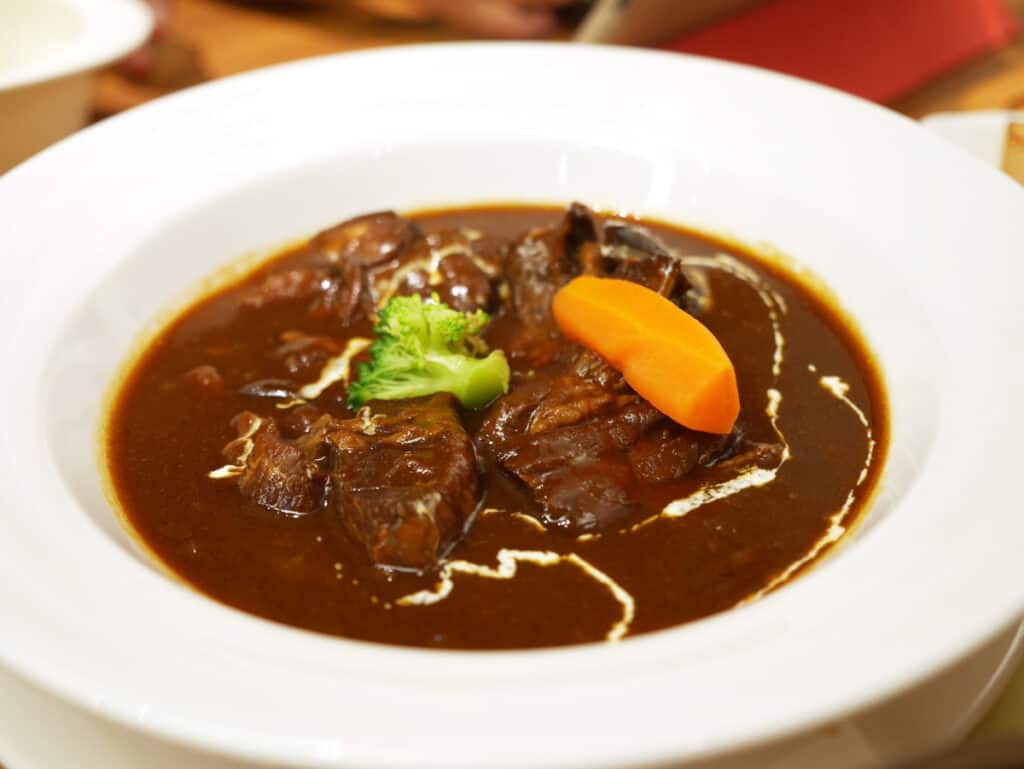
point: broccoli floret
(423, 347)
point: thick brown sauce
(163, 440)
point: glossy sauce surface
(165, 435)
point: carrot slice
(667, 356)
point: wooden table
(230, 38)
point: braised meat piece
(670, 452)
(332, 290)
(567, 440)
(400, 478)
(541, 262)
(535, 267)
(461, 268)
(352, 269)
(301, 421)
(632, 253)
(331, 275)
(278, 474)
(582, 449)
(544, 260)
(403, 479)
(366, 240)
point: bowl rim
(988, 616)
(109, 29)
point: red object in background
(878, 49)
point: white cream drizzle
(837, 522)
(529, 520)
(747, 479)
(246, 442)
(337, 369)
(840, 389)
(772, 300)
(508, 566)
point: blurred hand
(496, 18)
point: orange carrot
(665, 354)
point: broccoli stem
(474, 381)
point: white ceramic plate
(920, 242)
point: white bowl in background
(919, 241)
(980, 132)
(48, 49)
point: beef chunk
(540, 263)
(400, 479)
(670, 452)
(590, 366)
(331, 290)
(620, 233)
(366, 240)
(633, 253)
(301, 421)
(567, 439)
(544, 260)
(350, 271)
(331, 276)
(581, 448)
(535, 267)
(403, 480)
(281, 475)
(462, 270)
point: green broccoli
(423, 347)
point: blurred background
(918, 56)
(66, 63)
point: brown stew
(567, 511)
